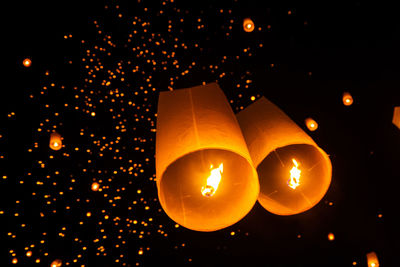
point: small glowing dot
(252, 98)
(331, 237)
(27, 62)
(29, 253)
(232, 233)
(15, 261)
(95, 186)
(93, 114)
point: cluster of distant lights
(248, 26)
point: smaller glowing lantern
(311, 124)
(55, 141)
(372, 259)
(396, 116)
(248, 25)
(294, 173)
(347, 99)
(27, 62)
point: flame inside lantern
(295, 173)
(213, 181)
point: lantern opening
(207, 209)
(213, 181)
(286, 197)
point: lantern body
(55, 141)
(196, 132)
(372, 259)
(56, 263)
(347, 99)
(294, 172)
(396, 116)
(248, 25)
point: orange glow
(295, 173)
(15, 261)
(55, 141)
(311, 124)
(56, 263)
(213, 181)
(27, 62)
(95, 186)
(248, 25)
(29, 253)
(347, 99)
(331, 237)
(372, 259)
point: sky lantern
(311, 124)
(27, 62)
(396, 116)
(56, 263)
(248, 25)
(294, 173)
(372, 259)
(95, 186)
(55, 141)
(347, 99)
(205, 177)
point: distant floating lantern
(27, 62)
(347, 99)
(205, 177)
(372, 259)
(56, 263)
(331, 237)
(396, 116)
(55, 141)
(248, 25)
(95, 186)
(311, 124)
(294, 173)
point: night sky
(96, 73)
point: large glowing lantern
(372, 259)
(294, 172)
(205, 177)
(347, 99)
(55, 141)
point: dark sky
(317, 51)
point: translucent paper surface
(196, 128)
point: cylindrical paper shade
(274, 141)
(55, 141)
(196, 132)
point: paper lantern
(55, 141)
(248, 25)
(56, 263)
(347, 99)
(372, 259)
(396, 116)
(27, 62)
(294, 172)
(311, 124)
(205, 177)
